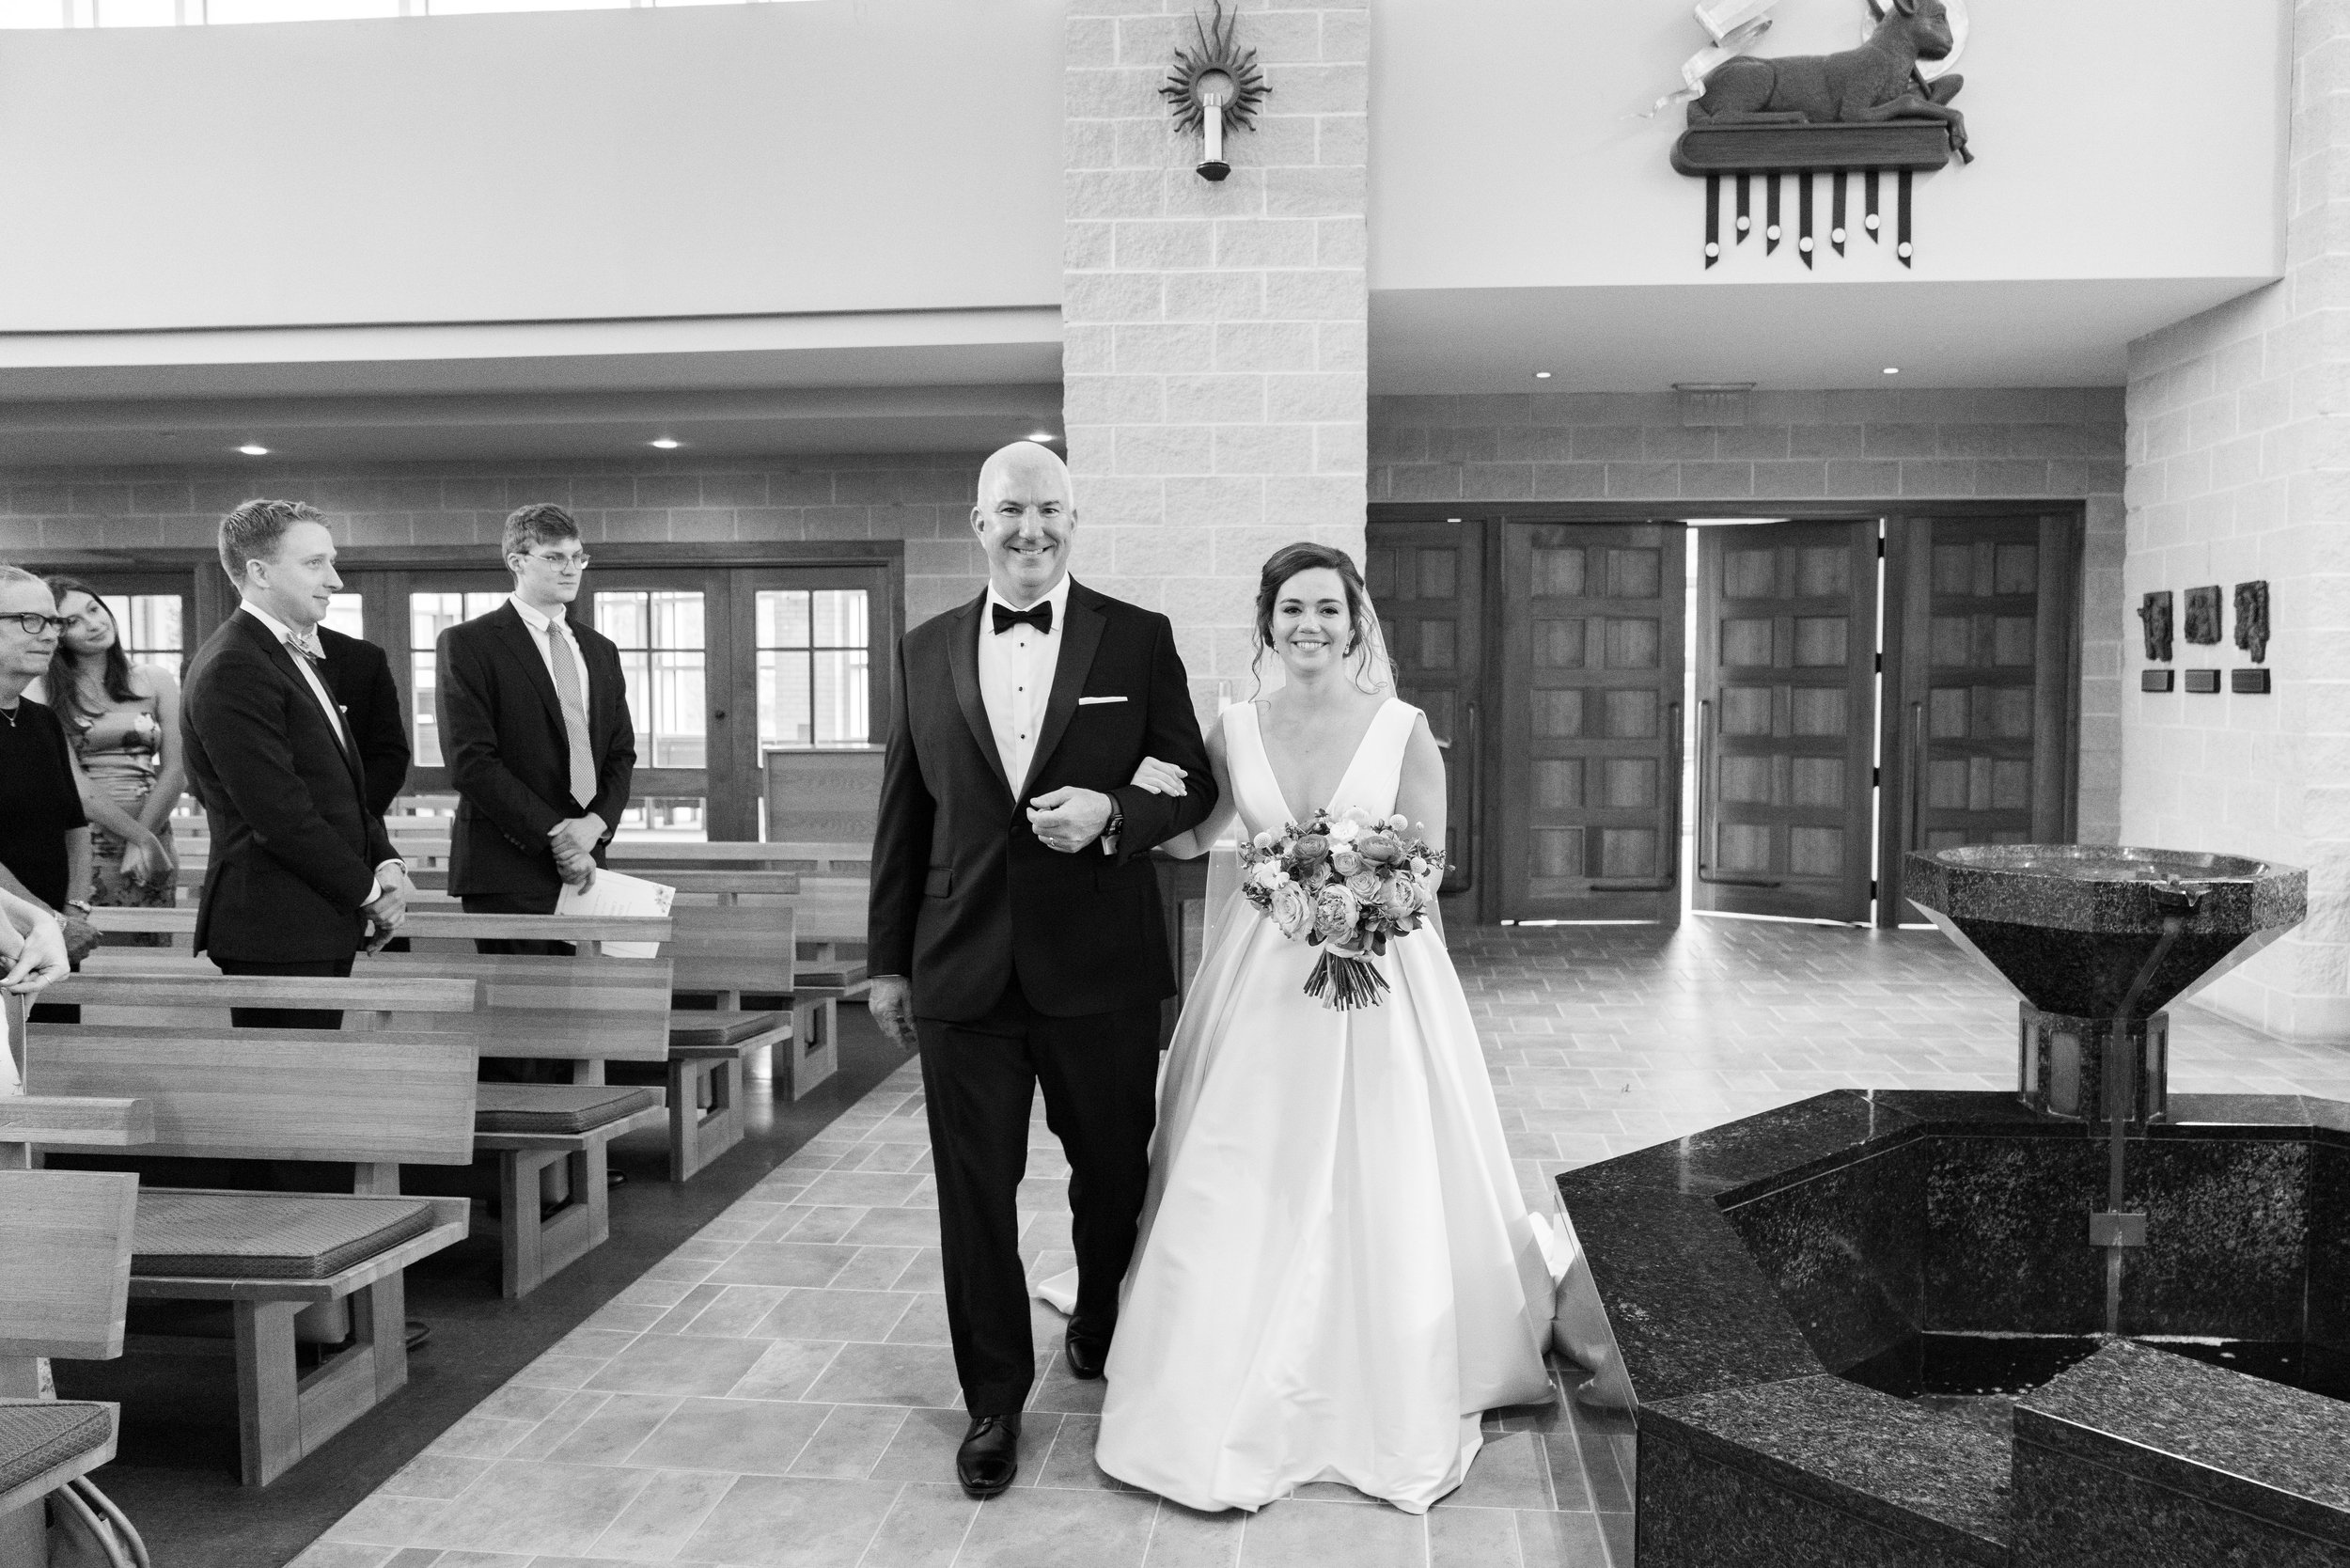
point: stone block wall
(2033, 444)
(922, 498)
(1214, 358)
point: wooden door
(1589, 728)
(1427, 580)
(1786, 663)
(1980, 671)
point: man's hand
(891, 1002)
(1068, 819)
(386, 914)
(575, 865)
(582, 833)
(37, 957)
(81, 938)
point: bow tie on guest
(1039, 615)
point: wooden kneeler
(372, 1101)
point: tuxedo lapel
(962, 660)
(1078, 640)
(339, 729)
(524, 645)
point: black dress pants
(518, 1069)
(286, 1017)
(1099, 1078)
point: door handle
(1471, 840)
(1673, 794)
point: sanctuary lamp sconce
(1214, 88)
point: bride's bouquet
(1345, 882)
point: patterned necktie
(575, 703)
(307, 644)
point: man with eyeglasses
(534, 720)
(44, 836)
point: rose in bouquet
(1348, 883)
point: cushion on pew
(556, 1107)
(267, 1236)
(40, 1434)
(820, 977)
(703, 1029)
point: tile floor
(779, 1390)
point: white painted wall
(2111, 142)
(823, 155)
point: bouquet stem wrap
(1344, 980)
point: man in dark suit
(360, 676)
(302, 871)
(534, 721)
(1014, 934)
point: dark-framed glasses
(35, 623)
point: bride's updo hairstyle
(1365, 646)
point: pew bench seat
(192, 1232)
(45, 1443)
(533, 1126)
(708, 1051)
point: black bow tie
(1039, 615)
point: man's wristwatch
(1111, 829)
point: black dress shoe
(417, 1333)
(1086, 1352)
(990, 1456)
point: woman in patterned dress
(123, 723)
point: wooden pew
(181, 923)
(728, 954)
(581, 1011)
(284, 1094)
(67, 1237)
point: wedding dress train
(1337, 1274)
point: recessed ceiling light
(1542, 375)
(666, 444)
(1893, 370)
(1042, 435)
(254, 448)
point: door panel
(1427, 580)
(1593, 621)
(1786, 657)
(1979, 719)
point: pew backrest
(742, 948)
(67, 1236)
(588, 1007)
(275, 1094)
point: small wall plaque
(2202, 615)
(2154, 614)
(2249, 683)
(2206, 680)
(2155, 680)
(2251, 620)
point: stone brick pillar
(1213, 359)
(2239, 468)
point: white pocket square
(1083, 701)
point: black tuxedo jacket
(294, 845)
(964, 895)
(360, 676)
(502, 732)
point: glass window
(151, 634)
(345, 613)
(659, 633)
(428, 616)
(815, 680)
(137, 13)
(296, 11)
(34, 13)
(663, 817)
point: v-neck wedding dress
(1337, 1274)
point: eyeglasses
(560, 563)
(35, 623)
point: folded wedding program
(615, 894)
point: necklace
(9, 713)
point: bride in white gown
(1337, 1274)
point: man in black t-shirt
(44, 838)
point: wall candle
(1213, 124)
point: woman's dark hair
(65, 684)
(1363, 620)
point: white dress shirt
(539, 624)
(1016, 678)
(285, 634)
